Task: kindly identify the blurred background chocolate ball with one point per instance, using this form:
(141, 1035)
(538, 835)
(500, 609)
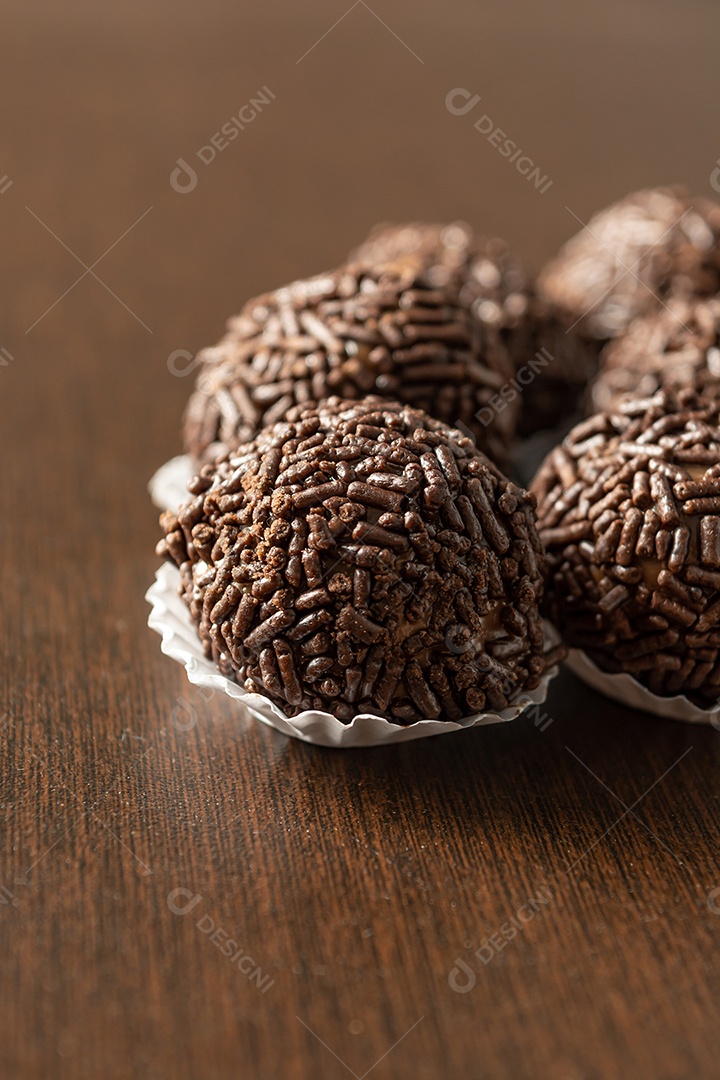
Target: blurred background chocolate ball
(673, 348)
(629, 257)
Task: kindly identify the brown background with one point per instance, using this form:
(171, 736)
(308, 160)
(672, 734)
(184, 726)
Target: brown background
(355, 879)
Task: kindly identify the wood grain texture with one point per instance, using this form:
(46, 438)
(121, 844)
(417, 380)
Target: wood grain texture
(354, 880)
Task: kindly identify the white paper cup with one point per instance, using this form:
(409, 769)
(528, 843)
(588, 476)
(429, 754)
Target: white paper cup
(171, 619)
(628, 691)
(168, 487)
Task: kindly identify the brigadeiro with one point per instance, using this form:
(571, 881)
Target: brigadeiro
(385, 328)
(625, 262)
(673, 348)
(630, 257)
(551, 368)
(492, 280)
(363, 557)
(629, 514)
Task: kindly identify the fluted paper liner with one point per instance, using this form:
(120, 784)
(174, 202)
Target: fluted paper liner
(171, 619)
(168, 487)
(628, 691)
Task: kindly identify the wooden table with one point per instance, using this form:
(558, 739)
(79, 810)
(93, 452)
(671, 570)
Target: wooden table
(146, 830)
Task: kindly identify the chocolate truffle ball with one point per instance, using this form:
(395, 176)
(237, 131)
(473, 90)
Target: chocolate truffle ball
(673, 348)
(630, 257)
(552, 366)
(386, 329)
(363, 557)
(629, 513)
(492, 280)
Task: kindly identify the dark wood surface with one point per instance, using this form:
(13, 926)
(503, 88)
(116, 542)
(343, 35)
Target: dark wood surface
(354, 880)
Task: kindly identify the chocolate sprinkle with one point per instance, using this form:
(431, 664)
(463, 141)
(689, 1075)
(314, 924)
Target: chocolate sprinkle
(491, 279)
(674, 348)
(552, 363)
(339, 574)
(634, 553)
(385, 326)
